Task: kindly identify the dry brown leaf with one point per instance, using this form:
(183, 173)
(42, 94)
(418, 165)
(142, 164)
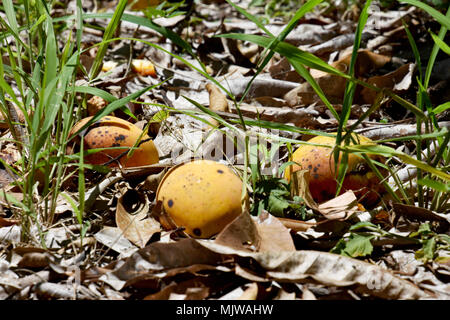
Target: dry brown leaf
(63, 291)
(259, 87)
(6, 222)
(151, 183)
(274, 235)
(10, 234)
(300, 187)
(131, 218)
(337, 43)
(299, 117)
(334, 86)
(217, 101)
(398, 80)
(419, 214)
(34, 260)
(193, 289)
(296, 225)
(142, 171)
(341, 207)
(250, 293)
(329, 269)
(30, 280)
(242, 234)
(158, 260)
(366, 61)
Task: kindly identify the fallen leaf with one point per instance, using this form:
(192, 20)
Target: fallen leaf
(113, 238)
(418, 214)
(300, 187)
(34, 260)
(10, 234)
(159, 260)
(6, 222)
(217, 101)
(341, 207)
(329, 269)
(242, 233)
(274, 235)
(296, 225)
(131, 218)
(398, 80)
(334, 86)
(250, 293)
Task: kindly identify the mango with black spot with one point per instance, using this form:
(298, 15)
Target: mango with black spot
(319, 162)
(113, 132)
(201, 196)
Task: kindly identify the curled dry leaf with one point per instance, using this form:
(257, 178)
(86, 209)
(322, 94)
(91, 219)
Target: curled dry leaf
(300, 187)
(6, 222)
(398, 80)
(131, 218)
(192, 289)
(329, 269)
(152, 181)
(419, 214)
(15, 284)
(95, 104)
(217, 101)
(159, 259)
(251, 293)
(63, 291)
(242, 234)
(34, 260)
(366, 61)
(10, 234)
(341, 207)
(296, 225)
(299, 117)
(334, 86)
(274, 235)
(260, 87)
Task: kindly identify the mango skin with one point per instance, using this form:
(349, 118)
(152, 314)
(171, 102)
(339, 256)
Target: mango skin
(202, 196)
(110, 132)
(319, 161)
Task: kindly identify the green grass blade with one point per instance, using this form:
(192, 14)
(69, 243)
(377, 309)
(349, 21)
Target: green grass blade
(441, 108)
(439, 17)
(289, 51)
(436, 185)
(142, 21)
(441, 44)
(96, 92)
(109, 33)
(250, 17)
(390, 152)
(349, 93)
(51, 55)
(116, 105)
(435, 51)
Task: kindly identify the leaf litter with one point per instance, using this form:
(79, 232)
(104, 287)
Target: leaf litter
(123, 246)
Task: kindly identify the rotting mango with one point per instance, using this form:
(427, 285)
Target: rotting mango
(319, 161)
(201, 196)
(111, 132)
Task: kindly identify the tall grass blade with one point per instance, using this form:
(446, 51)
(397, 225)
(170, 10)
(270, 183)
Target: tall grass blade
(109, 33)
